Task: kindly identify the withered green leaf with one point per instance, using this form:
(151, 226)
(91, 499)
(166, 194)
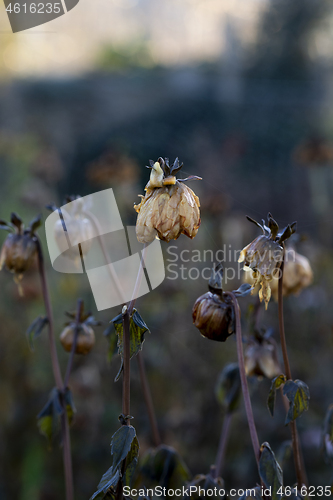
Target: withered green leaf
(299, 395)
(276, 384)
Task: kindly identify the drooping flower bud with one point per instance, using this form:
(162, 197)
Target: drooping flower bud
(75, 223)
(85, 339)
(20, 247)
(213, 312)
(264, 255)
(169, 208)
(82, 330)
(261, 358)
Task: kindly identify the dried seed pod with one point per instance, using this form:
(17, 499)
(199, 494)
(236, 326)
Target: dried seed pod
(213, 312)
(213, 316)
(85, 338)
(169, 207)
(264, 255)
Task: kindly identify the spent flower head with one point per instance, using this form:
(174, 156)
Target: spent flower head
(85, 340)
(20, 247)
(260, 357)
(264, 255)
(297, 275)
(76, 223)
(213, 313)
(169, 207)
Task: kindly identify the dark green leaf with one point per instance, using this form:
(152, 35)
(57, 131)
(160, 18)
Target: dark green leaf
(270, 471)
(35, 223)
(70, 407)
(35, 329)
(138, 328)
(117, 377)
(256, 223)
(205, 483)
(121, 444)
(276, 383)
(243, 290)
(112, 338)
(50, 416)
(109, 481)
(164, 466)
(299, 395)
(328, 434)
(284, 452)
(131, 462)
(228, 387)
(252, 493)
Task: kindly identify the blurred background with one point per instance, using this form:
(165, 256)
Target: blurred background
(241, 92)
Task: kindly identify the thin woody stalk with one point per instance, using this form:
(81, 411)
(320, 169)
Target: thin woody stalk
(220, 457)
(300, 472)
(245, 388)
(57, 375)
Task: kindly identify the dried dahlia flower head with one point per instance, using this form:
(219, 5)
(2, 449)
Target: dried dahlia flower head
(297, 274)
(20, 247)
(264, 255)
(169, 207)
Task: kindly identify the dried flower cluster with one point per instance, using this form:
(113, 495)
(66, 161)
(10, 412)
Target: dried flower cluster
(264, 255)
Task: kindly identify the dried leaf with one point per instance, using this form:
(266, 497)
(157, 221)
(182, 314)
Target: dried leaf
(270, 471)
(299, 395)
(276, 384)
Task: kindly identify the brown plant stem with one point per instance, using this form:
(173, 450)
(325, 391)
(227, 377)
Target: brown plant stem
(300, 472)
(57, 375)
(127, 363)
(220, 457)
(245, 388)
(148, 400)
(73, 349)
(49, 314)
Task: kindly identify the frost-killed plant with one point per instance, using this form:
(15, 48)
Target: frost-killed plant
(266, 255)
(168, 210)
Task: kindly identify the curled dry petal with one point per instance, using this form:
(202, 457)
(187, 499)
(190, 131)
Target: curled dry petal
(263, 256)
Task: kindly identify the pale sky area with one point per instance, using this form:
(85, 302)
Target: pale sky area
(174, 32)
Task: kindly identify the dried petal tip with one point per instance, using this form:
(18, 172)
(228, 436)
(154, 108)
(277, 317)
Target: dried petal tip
(169, 207)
